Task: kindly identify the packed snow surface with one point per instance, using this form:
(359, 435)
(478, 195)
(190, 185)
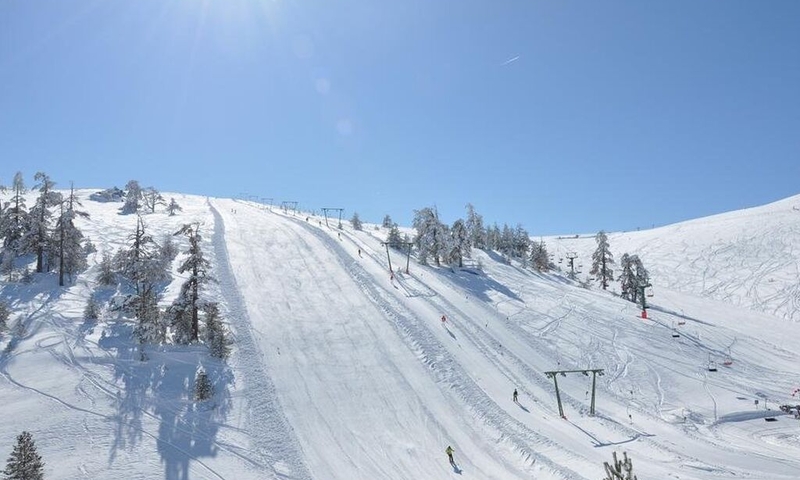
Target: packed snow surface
(343, 370)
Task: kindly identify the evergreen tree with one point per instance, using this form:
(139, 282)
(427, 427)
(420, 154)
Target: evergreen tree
(173, 207)
(627, 278)
(5, 312)
(106, 277)
(169, 250)
(141, 264)
(602, 259)
(620, 469)
(458, 244)
(68, 242)
(152, 198)
(203, 390)
(133, 198)
(92, 310)
(642, 278)
(356, 222)
(475, 230)
(37, 238)
(387, 222)
(12, 225)
(540, 259)
(186, 306)
(521, 244)
(24, 463)
(493, 238)
(216, 335)
(431, 235)
(394, 239)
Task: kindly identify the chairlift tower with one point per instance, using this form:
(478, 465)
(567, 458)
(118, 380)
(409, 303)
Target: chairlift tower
(289, 205)
(267, 201)
(594, 371)
(408, 246)
(571, 256)
(325, 212)
(641, 289)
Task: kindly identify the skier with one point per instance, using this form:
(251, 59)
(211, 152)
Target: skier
(449, 451)
(444, 320)
(359, 252)
(515, 395)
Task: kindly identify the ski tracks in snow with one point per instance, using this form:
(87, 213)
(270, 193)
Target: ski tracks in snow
(275, 445)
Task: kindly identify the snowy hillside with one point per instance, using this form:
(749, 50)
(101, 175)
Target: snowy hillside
(341, 370)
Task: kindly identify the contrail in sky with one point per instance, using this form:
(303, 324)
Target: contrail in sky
(510, 60)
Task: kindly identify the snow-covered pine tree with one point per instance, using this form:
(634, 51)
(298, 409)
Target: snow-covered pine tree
(133, 198)
(430, 239)
(173, 207)
(216, 335)
(602, 259)
(540, 259)
(621, 469)
(203, 389)
(68, 242)
(387, 222)
(106, 276)
(188, 302)
(24, 462)
(642, 278)
(458, 245)
(493, 238)
(12, 225)
(393, 238)
(627, 278)
(141, 264)
(356, 222)
(152, 198)
(475, 230)
(522, 245)
(5, 312)
(92, 309)
(37, 238)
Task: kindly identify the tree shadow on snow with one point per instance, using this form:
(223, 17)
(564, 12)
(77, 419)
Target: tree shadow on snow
(161, 389)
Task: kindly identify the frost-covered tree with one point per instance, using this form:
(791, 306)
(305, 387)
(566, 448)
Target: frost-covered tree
(216, 335)
(430, 239)
(634, 278)
(184, 310)
(92, 309)
(387, 222)
(394, 238)
(602, 259)
(356, 222)
(540, 259)
(24, 463)
(68, 241)
(106, 276)
(619, 469)
(521, 244)
(203, 389)
(142, 266)
(458, 246)
(475, 230)
(133, 198)
(173, 207)
(493, 237)
(152, 198)
(5, 312)
(37, 238)
(12, 224)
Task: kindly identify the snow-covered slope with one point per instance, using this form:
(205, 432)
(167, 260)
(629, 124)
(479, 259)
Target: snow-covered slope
(342, 370)
(748, 258)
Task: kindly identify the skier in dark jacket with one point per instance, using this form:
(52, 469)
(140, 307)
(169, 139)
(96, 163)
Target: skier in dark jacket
(515, 395)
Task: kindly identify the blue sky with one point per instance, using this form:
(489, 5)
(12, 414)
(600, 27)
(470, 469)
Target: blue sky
(565, 116)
